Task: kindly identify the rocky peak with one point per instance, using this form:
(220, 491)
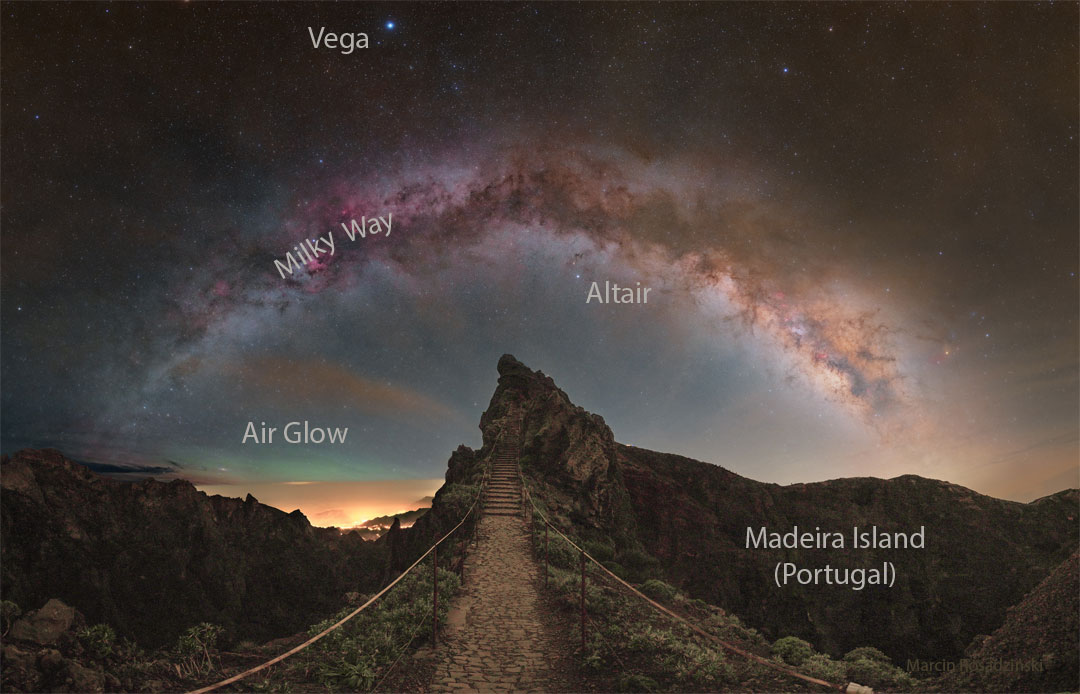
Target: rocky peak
(561, 443)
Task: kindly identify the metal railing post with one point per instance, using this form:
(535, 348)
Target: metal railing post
(583, 602)
(546, 569)
(435, 598)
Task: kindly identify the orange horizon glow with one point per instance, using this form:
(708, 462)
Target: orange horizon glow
(335, 504)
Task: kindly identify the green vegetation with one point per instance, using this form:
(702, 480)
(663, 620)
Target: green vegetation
(792, 650)
(640, 565)
(98, 640)
(866, 665)
(193, 649)
(657, 654)
(269, 686)
(866, 653)
(455, 499)
(879, 675)
(357, 655)
(658, 590)
(616, 568)
(633, 648)
(600, 551)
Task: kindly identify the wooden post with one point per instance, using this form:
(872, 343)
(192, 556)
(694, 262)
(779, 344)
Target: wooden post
(546, 570)
(435, 594)
(583, 602)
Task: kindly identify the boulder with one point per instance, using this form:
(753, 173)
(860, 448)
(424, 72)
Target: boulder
(44, 626)
(82, 679)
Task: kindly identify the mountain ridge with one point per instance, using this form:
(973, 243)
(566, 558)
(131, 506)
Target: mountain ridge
(72, 534)
(690, 518)
(151, 557)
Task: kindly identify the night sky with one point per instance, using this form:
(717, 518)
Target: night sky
(860, 224)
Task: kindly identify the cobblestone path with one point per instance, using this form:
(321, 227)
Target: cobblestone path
(501, 637)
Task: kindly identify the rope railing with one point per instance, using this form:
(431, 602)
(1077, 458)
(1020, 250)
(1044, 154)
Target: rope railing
(433, 549)
(528, 503)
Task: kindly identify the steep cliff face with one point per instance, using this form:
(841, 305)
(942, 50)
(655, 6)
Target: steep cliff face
(981, 556)
(153, 558)
(562, 444)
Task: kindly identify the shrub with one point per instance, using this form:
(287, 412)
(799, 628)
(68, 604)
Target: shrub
(637, 560)
(563, 555)
(707, 667)
(658, 590)
(878, 675)
(356, 655)
(457, 498)
(637, 683)
(600, 551)
(615, 568)
(194, 646)
(98, 640)
(728, 627)
(824, 667)
(866, 653)
(793, 650)
(639, 565)
(354, 676)
(269, 686)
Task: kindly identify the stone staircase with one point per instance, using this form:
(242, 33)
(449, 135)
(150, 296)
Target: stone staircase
(503, 494)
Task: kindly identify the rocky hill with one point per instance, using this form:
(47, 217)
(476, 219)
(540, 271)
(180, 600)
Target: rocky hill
(1036, 649)
(153, 558)
(686, 521)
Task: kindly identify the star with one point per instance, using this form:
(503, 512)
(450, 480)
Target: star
(390, 25)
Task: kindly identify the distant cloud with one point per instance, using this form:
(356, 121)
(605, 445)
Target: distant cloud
(116, 470)
(281, 377)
